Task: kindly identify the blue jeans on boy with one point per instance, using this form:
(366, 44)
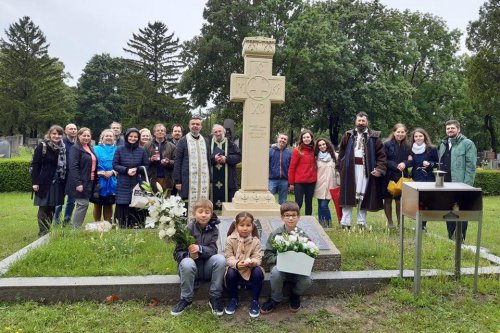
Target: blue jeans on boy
(212, 270)
(302, 282)
(68, 211)
(279, 186)
(324, 215)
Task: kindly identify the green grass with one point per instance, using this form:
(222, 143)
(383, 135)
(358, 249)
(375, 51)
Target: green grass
(443, 306)
(78, 253)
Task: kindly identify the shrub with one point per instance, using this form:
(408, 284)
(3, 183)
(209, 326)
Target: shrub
(14, 175)
(488, 181)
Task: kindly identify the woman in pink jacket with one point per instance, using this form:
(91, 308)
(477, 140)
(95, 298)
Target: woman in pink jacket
(326, 180)
(302, 171)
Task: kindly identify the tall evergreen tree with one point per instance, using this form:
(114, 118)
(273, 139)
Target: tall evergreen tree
(150, 81)
(33, 94)
(156, 55)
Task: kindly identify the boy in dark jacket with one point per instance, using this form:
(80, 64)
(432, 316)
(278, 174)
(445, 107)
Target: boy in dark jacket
(290, 215)
(200, 261)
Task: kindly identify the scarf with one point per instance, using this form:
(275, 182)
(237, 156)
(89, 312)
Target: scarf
(241, 255)
(60, 149)
(418, 149)
(199, 177)
(324, 156)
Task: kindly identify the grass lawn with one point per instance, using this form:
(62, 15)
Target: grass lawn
(77, 253)
(443, 306)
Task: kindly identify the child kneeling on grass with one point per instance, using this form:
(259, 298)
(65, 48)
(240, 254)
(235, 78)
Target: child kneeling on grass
(243, 256)
(201, 261)
(290, 215)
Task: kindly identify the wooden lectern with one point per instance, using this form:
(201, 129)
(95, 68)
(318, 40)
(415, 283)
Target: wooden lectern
(451, 202)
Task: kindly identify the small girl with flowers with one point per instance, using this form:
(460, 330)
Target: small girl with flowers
(243, 257)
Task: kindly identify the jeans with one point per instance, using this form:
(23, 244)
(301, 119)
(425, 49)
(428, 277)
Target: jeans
(68, 211)
(279, 186)
(302, 282)
(233, 277)
(305, 192)
(324, 216)
(451, 226)
(211, 269)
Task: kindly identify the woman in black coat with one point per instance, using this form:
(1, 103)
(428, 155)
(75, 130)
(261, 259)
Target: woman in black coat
(128, 162)
(82, 174)
(48, 176)
(397, 152)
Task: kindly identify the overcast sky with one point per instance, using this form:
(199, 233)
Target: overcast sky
(77, 30)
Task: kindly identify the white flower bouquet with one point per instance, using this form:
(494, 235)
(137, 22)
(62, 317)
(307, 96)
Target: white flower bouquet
(169, 215)
(296, 241)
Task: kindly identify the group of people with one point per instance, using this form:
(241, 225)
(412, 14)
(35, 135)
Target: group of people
(65, 163)
(239, 266)
(364, 166)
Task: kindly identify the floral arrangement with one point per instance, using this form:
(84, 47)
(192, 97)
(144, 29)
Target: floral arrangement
(169, 215)
(295, 241)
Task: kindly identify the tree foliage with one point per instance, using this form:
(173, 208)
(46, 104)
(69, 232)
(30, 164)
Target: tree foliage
(33, 94)
(100, 96)
(483, 68)
(150, 79)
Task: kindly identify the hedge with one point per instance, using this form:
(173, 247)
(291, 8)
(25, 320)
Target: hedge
(14, 177)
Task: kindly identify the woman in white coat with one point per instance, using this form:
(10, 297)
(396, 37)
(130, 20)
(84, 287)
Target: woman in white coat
(326, 180)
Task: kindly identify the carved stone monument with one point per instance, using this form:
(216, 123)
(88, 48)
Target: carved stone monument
(5, 151)
(257, 89)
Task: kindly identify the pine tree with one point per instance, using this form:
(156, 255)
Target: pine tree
(33, 94)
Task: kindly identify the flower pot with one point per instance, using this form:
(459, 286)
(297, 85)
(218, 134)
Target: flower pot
(294, 262)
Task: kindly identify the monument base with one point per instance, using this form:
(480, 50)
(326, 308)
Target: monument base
(255, 202)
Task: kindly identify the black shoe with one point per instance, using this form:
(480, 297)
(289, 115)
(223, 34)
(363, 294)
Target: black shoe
(348, 227)
(294, 303)
(180, 307)
(216, 306)
(269, 306)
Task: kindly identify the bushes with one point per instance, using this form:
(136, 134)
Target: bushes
(14, 175)
(488, 181)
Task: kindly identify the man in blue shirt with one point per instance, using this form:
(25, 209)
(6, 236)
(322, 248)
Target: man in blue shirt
(279, 162)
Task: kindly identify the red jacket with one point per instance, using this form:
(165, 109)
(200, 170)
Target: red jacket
(302, 166)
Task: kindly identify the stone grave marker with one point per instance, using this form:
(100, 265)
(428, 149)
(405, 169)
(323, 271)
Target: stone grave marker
(5, 151)
(257, 88)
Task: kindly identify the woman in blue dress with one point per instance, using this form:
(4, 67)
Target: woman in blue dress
(104, 197)
(425, 157)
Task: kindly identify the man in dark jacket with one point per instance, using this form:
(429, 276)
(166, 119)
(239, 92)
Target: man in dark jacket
(224, 156)
(161, 159)
(279, 162)
(69, 140)
(362, 163)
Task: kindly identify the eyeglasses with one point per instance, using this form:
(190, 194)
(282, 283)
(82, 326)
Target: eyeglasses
(290, 215)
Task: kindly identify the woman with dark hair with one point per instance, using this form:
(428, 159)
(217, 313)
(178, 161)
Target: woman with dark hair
(397, 153)
(48, 176)
(128, 162)
(326, 180)
(82, 174)
(425, 157)
(302, 171)
(104, 197)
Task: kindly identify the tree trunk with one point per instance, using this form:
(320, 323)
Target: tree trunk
(333, 124)
(489, 123)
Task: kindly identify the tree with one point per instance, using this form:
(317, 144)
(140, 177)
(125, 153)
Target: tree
(33, 94)
(150, 80)
(483, 68)
(100, 96)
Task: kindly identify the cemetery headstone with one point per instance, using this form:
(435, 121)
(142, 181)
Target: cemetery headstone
(5, 151)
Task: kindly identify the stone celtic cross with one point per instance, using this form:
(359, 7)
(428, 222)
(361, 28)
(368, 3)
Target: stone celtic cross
(257, 88)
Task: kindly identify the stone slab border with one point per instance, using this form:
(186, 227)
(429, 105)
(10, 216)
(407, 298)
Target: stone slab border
(166, 287)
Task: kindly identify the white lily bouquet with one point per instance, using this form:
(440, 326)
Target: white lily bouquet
(169, 215)
(296, 241)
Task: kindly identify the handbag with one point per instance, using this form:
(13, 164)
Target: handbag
(140, 197)
(395, 188)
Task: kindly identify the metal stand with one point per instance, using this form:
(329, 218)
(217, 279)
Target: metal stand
(424, 202)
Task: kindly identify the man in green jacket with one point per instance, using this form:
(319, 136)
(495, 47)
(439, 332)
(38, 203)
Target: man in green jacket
(458, 157)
